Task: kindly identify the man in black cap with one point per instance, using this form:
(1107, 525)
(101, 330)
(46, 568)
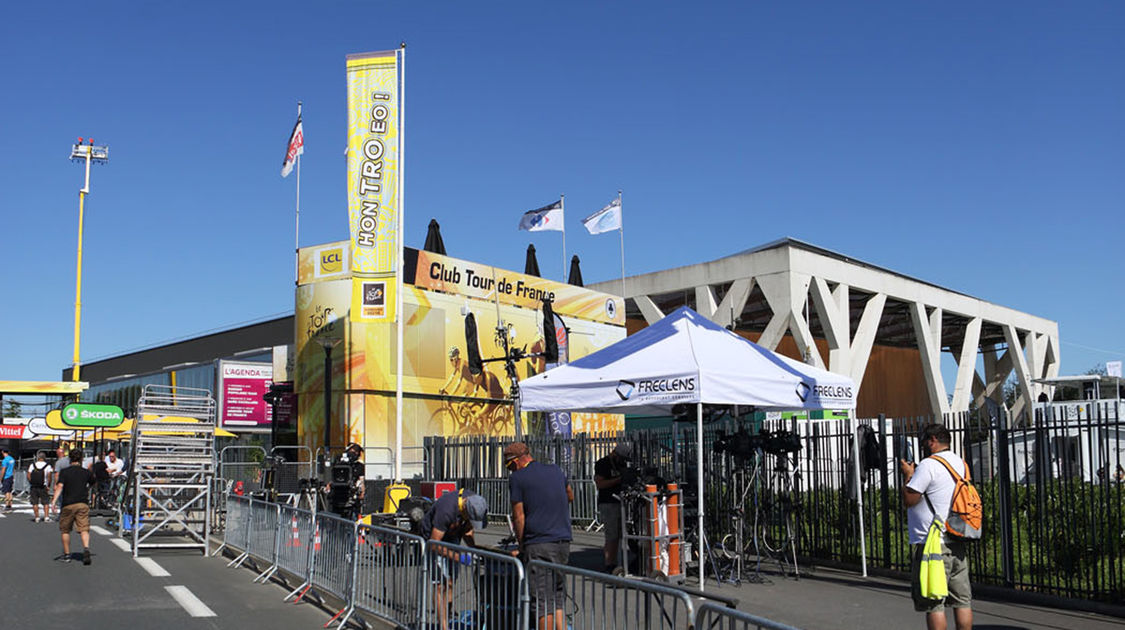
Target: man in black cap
(451, 519)
(610, 474)
(541, 497)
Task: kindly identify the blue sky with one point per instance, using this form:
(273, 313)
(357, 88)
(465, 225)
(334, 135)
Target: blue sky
(978, 146)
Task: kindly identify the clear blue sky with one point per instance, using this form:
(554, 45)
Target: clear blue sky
(979, 146)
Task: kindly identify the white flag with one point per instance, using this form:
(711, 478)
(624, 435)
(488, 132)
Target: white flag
(296, 147)
(605, 220)
(548, 217)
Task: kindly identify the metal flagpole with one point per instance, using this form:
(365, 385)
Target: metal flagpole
(621, 233)
(400, 262)
(297, 230)
(562, 206)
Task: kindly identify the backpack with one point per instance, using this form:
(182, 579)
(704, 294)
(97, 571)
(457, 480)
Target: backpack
(966, 514)
(38, 475)
(870, 449)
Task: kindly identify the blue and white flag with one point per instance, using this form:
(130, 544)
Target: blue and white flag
(605, 220)
(546, 218)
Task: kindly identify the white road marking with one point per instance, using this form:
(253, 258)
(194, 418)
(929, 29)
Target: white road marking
(155, 570)
(189, 601)
(97, 529)
(123, 545)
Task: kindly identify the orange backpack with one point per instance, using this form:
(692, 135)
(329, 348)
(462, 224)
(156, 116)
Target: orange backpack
(966, 514)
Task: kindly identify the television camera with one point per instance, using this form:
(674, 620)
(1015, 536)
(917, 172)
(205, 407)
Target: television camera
(742, 445)
(344, 491)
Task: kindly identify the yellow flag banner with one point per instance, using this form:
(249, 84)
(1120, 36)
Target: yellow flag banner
(373, 161)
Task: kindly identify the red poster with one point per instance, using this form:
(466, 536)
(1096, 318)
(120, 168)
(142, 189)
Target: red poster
(243, 385)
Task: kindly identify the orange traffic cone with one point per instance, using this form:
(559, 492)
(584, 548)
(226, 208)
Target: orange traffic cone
(316, 539)
(296, 534)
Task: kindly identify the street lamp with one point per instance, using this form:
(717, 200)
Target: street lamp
(327, 343)
(88, 153)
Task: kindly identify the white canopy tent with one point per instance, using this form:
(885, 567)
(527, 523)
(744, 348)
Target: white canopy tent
(687, 359)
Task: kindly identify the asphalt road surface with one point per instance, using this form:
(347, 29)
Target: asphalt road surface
(178, 590)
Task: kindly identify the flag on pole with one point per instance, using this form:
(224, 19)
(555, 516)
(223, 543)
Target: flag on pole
(548, 217)
(605, 220)
(296, 147)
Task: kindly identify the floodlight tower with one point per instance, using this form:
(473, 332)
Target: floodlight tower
(90, 154)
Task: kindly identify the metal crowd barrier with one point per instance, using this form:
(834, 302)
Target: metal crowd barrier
(238, 463)
(584, 509)
(262, 534)
(606, 602)
(295, 531)
(474, 588)
(415, 584)
(389, 574)
(237, 531)
(715, 617)
(21, 487)
(297, 465)
(496, 492)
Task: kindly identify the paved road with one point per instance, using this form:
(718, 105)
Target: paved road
(117, 592)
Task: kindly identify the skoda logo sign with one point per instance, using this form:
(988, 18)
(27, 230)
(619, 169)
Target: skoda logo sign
(625, 389)
(71, 413)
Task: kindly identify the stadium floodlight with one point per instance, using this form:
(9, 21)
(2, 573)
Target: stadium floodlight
(89, 153)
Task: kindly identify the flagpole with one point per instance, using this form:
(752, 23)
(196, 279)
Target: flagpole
(297, 230)
(562, 206)
(621, 233)
(400, 261)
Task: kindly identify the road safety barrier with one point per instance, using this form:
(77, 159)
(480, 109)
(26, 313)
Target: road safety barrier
(389, 573)
(589, 599)
(714, 617)
(474, 588)
(413, 583)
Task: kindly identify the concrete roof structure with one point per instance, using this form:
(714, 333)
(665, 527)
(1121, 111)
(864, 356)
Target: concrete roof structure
(808, 292)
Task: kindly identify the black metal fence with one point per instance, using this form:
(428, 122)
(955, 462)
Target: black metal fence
(1053, 488)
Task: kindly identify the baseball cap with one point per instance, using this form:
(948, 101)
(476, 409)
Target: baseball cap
(515, 450)
(476, 508)
(624, 449)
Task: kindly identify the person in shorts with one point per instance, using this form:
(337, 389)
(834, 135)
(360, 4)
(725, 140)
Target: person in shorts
(72, 487)
(453, 518)
(541, 498)
(610, 474)
(7, 476)
(930, 480)
(38, 475)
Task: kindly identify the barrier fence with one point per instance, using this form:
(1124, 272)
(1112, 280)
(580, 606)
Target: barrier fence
(413, 583)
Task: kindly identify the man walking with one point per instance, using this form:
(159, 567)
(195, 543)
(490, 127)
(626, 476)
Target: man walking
(72, 486)
(38, 474)
(8, 468)
(927, 492)
(541, 497)
(610, 474)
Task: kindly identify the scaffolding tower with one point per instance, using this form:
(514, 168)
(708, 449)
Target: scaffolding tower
(171, 468)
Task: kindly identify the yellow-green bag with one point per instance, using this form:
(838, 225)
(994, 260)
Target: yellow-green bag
(934, 584)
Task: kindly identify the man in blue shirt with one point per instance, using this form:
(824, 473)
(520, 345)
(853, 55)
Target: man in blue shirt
(541, 498)
(8, 466)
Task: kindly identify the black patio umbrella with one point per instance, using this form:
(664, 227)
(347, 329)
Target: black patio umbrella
(531, 264)
(433, 239)
(575, 273)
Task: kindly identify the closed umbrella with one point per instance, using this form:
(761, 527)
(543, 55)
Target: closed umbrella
(531, 264)
(433, 239)
(575, 273)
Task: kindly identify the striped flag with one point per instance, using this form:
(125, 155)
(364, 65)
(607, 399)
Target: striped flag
(296, 147)
(548, 217)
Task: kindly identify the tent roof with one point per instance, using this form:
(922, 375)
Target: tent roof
(683, 359)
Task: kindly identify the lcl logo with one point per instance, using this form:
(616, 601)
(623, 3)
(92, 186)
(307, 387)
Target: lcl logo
(332, 261)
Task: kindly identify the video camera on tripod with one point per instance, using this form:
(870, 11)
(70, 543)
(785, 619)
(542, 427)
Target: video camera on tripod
(345, 481)
(742, 445)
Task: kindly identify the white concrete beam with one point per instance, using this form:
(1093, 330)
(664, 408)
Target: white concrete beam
(648, 308)
(734, 301)
(834, 322)
(865, 336)
(966, 367)
(1019, 363)
(931, 359)
(705, 301)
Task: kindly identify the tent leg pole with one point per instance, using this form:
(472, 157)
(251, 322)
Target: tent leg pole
(699, 485)
(854, 423)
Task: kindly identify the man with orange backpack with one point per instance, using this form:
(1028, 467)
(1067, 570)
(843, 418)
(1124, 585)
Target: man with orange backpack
(938, 487)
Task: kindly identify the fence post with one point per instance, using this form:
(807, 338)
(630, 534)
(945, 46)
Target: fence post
(884, 480)
(1004, 500)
